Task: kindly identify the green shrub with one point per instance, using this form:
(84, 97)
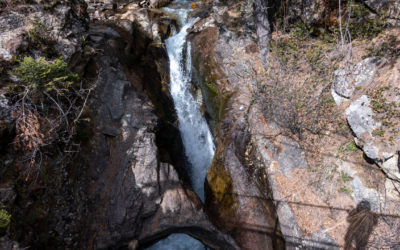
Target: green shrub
(5, 218)
(300, 30)
(345, 177)
(378, 132)
(347, 148)
(48, 104)
(345, 190)
(351, 147)
(45, 76)
(39, 32)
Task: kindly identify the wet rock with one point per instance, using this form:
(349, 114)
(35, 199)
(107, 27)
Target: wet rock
(125, 187)
(178, 200)
(153, 22)
(202, 24)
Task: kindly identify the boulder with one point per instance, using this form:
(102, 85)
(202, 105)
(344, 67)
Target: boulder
(346, 79)
(392, 168)
(360, 118)
(359, 115)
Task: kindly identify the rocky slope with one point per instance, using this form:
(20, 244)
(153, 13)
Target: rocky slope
(267, 186)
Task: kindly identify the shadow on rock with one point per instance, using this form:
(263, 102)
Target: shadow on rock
(362, 222)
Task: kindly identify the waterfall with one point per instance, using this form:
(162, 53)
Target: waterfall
(196, 135)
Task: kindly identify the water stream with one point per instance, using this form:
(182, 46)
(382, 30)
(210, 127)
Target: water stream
(196, 135)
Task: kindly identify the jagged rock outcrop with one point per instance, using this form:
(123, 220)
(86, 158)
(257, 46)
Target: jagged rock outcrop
(359, 116)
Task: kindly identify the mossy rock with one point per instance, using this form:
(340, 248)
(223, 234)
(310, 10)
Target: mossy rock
(222, 202)
(220, 183)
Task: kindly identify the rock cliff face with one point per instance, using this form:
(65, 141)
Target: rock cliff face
(129, 182)
(263, 185)
(226, 56)
(268, 187)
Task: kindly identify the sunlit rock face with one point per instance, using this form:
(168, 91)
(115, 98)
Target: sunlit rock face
(259, 175)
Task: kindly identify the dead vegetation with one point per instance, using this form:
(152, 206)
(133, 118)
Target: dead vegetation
(295, 93)
(48, 103)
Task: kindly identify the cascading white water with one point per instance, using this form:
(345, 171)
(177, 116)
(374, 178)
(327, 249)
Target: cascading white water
(196, 135)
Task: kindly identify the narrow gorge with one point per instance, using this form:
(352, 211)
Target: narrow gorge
(211, 124)
(196, 135)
